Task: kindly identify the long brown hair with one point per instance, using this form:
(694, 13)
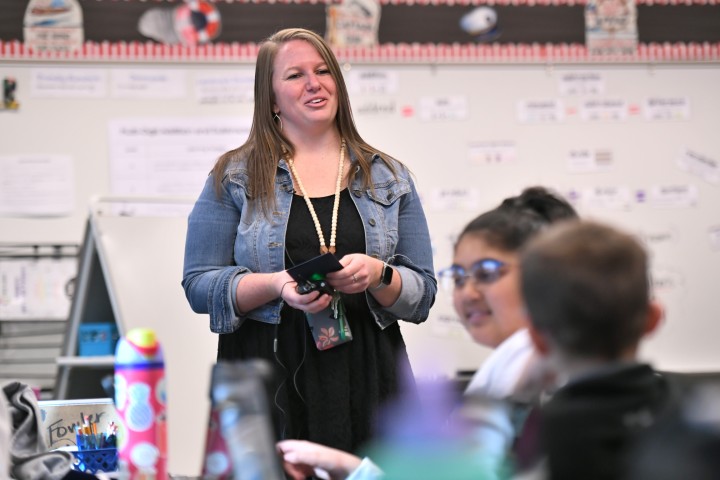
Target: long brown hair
(266, 142)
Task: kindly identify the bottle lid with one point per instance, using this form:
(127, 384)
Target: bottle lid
(144, 340)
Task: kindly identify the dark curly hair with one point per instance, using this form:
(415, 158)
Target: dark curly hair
(518, 219)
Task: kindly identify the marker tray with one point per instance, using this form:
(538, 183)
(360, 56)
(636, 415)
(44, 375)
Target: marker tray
(98, 460)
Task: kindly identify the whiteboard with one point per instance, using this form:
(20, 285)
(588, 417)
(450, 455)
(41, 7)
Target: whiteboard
(140, 258)
(440, 120)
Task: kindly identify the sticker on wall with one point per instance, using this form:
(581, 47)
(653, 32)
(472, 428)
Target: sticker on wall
(353, 23)
(68, 83)
(455, 198)
(372, 82)
(540, 111)
(659, 238)
(673, 196)
(611, 27)
(634, 109)
(669, 287)
(667, 108)
(610, 198)
(666, 280)
(407, 111)
(452, 107)
(573, 196)
(641, 195)
(701, 165)
(375, 108)
(585, 160)
(9, 102)
(481, 23)
(224, 87)
(581, 83)
(53, 26)
(193, 22)
(492, 152)
(603, 110)
(148, 83)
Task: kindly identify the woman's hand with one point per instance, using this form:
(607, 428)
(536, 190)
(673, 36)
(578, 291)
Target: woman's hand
(312, 302)
(302, 459)
(359, 273)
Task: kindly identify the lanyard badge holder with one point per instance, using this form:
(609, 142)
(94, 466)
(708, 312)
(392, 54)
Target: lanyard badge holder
(329, 327)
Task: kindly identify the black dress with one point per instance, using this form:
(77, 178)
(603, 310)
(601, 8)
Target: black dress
(332, 396)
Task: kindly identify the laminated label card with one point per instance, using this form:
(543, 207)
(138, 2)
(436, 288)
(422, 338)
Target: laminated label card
(58, 418)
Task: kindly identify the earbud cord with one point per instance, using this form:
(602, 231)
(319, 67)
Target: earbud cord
(280, 386)
(297, 370)
(287, 254)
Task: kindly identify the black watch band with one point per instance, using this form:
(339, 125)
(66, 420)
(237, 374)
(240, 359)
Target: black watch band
(386, 277)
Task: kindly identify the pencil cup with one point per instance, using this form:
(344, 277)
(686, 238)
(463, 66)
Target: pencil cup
(94, 461)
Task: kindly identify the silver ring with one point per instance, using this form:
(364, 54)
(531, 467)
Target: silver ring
(354, 278)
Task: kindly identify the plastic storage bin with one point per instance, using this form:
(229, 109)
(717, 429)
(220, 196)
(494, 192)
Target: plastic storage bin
(97, 339)
(93, 461)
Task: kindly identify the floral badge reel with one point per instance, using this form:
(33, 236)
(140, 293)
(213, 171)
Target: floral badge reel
(329, 327)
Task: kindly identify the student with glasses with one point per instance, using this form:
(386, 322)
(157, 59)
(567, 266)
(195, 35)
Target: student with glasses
(485, 281)
(485, 277)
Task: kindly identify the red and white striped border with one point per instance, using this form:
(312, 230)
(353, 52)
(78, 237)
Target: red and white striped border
(446, 2)
(390, 53)
(135, 51)
(524, 53)
(538, 2)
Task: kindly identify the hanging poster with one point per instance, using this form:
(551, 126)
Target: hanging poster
(611, 27)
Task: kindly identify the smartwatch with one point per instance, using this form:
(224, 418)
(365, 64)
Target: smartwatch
(386, 277)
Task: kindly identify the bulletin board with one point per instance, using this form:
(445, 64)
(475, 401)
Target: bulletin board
(635, 145)
(464, 31)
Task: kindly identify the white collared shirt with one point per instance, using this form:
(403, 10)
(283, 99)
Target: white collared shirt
(508, 370)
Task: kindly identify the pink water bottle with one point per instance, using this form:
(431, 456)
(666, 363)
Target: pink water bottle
(140, 400)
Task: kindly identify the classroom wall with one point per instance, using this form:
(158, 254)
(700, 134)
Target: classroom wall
(635, 145)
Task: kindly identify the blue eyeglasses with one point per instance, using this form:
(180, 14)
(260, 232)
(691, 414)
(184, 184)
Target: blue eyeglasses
(484, 271)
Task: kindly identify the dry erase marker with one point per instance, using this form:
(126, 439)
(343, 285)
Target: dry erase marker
(79, 438)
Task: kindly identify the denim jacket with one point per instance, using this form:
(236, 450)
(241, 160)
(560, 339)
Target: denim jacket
(227, 240)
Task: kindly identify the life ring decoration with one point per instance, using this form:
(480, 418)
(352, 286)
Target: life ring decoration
(197, 22)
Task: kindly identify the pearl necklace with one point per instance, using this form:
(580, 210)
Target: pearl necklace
(336, 204)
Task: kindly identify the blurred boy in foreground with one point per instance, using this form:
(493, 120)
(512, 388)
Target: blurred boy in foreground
(587, 293)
